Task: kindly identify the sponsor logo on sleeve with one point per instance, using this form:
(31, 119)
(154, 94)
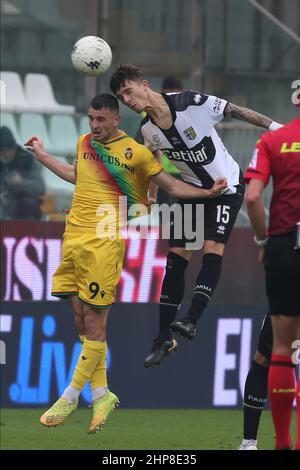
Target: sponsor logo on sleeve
(217, 106)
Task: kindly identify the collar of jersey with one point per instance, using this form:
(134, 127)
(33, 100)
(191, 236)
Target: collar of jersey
(170, 103)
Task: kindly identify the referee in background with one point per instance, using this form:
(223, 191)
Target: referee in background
(277, 155)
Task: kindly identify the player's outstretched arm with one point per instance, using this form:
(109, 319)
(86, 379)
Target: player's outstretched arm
(63, 170)
(182, 190)
(248, 115)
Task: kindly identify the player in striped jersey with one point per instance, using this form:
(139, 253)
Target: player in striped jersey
(182, 126)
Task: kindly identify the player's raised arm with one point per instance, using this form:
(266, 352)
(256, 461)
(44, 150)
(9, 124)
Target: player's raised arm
(183, 190)
(63, 170)
(248, 115)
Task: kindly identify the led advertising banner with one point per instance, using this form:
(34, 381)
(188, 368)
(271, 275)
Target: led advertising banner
(39, 350)
(30, 254)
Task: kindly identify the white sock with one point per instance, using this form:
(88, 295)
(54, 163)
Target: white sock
(247, 441)
(71, 393)
(99, 392)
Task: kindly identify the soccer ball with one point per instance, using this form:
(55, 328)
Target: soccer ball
(91, 55)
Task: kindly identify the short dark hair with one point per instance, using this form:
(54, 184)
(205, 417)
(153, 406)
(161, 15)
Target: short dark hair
(123, 73)
(105, 100)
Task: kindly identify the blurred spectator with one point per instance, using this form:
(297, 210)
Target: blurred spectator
(171, 85)
(21, 180)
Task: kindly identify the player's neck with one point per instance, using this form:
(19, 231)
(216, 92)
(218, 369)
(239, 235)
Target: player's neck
(116, 135)
(159, 110)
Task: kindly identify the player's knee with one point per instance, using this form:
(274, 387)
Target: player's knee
(283, 350)
(79, 321)
(182, 252)
(212, 247)
(95, 323)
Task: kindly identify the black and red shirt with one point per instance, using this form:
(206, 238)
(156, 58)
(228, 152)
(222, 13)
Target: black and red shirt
(277, 154)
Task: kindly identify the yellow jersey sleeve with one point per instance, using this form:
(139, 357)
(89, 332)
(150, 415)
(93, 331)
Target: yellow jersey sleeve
(148, 163)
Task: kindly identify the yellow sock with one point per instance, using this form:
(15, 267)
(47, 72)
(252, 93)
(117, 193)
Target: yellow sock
(91, 353)
(99, 378)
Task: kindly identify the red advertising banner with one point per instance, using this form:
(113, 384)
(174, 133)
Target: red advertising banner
(30, 254)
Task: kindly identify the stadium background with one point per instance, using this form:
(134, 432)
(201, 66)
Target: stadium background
(223, 47)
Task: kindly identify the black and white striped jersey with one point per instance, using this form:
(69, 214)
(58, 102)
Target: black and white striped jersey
(192, 143)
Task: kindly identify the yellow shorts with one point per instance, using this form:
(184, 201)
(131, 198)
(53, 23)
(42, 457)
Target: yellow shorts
(90, 267)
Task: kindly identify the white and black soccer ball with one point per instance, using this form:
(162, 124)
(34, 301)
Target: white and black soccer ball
(91, 55)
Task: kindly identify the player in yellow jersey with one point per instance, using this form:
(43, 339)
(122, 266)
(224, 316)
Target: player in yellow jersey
(110, 167)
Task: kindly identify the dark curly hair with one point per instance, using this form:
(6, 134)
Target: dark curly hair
(123, 73)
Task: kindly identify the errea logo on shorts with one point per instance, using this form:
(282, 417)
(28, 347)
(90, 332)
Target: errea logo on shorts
(221, 229)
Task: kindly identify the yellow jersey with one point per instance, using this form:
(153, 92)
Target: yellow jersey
(109, 176)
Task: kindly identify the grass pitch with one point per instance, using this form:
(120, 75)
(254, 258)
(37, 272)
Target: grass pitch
(133, 430)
